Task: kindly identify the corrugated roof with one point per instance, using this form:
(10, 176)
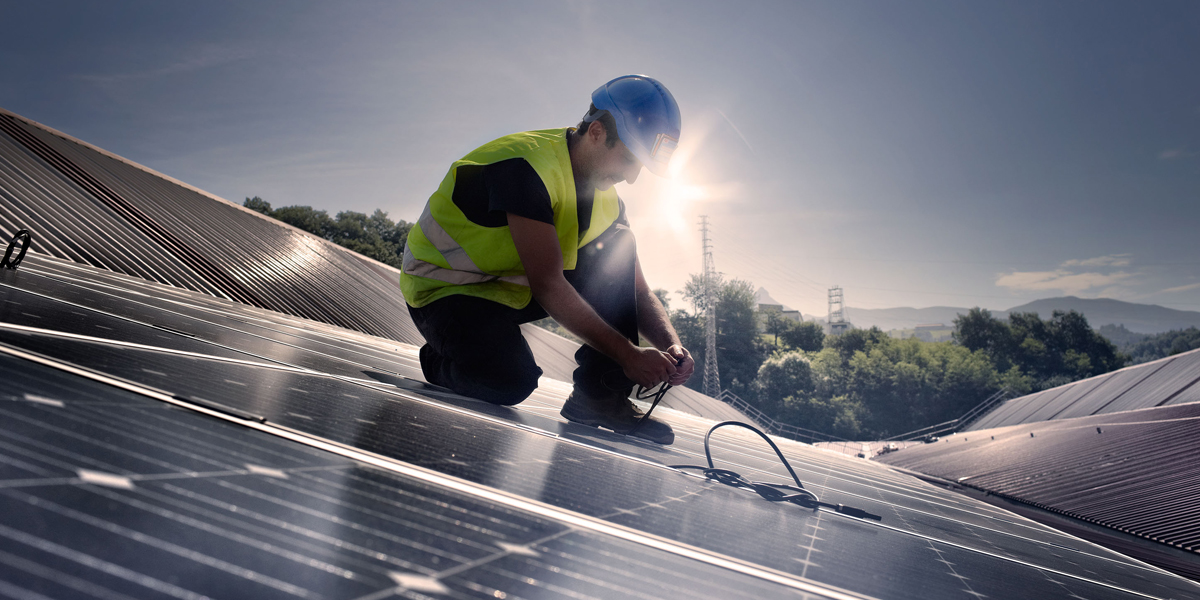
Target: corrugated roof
(1133, 471)
(1171, 380)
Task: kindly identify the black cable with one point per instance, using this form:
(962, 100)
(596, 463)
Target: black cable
(656, 394)
(772, 492)
(25, 238)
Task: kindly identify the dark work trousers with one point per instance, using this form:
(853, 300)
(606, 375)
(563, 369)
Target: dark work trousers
(475, 346)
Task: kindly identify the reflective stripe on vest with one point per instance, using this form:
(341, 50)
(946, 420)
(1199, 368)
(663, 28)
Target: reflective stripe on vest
(448, 254)
(463, 270)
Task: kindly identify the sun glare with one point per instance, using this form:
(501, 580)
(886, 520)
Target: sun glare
(675, 200)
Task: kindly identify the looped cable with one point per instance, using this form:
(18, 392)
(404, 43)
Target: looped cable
(645, 394)
(772, 492)
(8, 262)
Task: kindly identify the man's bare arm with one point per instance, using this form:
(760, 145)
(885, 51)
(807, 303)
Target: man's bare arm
(655, 325)
(537, 245)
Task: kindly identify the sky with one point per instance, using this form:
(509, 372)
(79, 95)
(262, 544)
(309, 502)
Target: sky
(915, 153)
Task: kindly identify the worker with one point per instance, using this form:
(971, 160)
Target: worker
(528, 225)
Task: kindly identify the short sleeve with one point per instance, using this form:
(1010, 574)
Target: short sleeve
(514, 187)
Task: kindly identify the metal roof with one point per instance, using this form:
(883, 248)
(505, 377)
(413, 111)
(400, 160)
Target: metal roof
(1167, 381)
(1134, 472)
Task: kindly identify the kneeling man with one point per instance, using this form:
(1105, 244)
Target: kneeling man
(529, 225)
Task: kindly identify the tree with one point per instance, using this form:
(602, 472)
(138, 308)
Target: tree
(1051, 353)
(740, 350)
(808, 336)
(777, 323)
(783, 374)
(258, 204)
(665, 298)
(316, 222)
(1154, 347)
(693, 291)
(856, 340)
(375, 236)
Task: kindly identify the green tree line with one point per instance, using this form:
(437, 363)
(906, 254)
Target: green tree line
(375, 236)
(1141, 347)
(865, 384)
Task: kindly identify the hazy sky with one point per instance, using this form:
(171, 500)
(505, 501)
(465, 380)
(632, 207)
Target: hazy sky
(916, 153)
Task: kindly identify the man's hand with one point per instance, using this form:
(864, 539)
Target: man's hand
(649, 367)
(685, 366)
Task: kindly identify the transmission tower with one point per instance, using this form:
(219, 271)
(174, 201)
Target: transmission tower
(712, 380)
(837, 311)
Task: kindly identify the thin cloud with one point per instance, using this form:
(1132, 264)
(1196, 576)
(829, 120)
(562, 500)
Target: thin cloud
(1112, 260)
(1174, 153)
(1182, 288)
(204, 57)
(1061, 279)
(1076, 276)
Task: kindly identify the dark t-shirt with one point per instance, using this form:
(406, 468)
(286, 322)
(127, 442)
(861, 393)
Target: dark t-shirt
(487, 193)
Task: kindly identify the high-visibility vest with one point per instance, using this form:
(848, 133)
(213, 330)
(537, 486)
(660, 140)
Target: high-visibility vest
(449, 254)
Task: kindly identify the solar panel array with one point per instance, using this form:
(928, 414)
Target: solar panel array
(160, 442)
(1168, 381)
(160, 439)
(88, 206)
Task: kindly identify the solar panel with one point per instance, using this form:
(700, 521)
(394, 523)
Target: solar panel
(109, 494)
(931, 543)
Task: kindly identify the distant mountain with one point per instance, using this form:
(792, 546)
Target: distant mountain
(1140, 318)
(907, 318)
(762, 296)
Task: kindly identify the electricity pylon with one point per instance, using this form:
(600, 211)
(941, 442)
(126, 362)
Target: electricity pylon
(712, 379)
(837, 311)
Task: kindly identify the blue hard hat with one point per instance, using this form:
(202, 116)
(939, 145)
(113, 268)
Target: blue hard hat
(647, 118)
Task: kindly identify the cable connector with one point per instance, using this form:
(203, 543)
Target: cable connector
(850, 511)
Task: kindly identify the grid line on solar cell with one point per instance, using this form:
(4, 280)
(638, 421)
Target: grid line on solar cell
(215, 529)
(61, 578)
(158, 543)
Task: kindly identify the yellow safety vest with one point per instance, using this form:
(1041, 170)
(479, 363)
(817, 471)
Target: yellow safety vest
(449, 254)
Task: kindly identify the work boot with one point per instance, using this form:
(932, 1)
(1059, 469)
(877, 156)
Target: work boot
(616, 412)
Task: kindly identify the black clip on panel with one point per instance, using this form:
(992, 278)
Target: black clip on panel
(24, 238)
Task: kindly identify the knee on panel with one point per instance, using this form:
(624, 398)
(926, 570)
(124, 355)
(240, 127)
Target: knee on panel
(515, 386)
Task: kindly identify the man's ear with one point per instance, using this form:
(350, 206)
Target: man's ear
(597, 132)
